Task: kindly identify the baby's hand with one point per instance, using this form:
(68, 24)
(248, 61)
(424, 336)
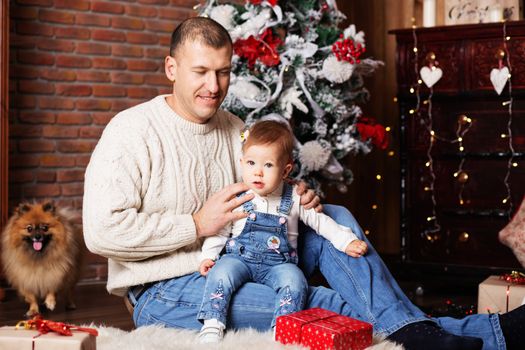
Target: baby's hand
(206, 266)
(356, 248)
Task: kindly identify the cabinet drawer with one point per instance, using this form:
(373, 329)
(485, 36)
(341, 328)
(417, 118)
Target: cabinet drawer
(482, 59)
(462, 240)
(482, 192)
(489, 122)
(449, 59)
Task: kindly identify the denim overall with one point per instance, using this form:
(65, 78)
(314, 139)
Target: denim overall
(262, 254)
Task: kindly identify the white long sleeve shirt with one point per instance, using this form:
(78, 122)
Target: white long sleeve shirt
(340, 236)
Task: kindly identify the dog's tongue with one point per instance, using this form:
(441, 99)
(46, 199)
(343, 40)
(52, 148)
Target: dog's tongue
(37, 245)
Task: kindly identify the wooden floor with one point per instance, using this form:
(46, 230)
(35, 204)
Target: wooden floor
(95, 305)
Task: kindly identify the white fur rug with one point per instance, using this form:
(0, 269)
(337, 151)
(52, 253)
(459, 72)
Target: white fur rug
(155, 337)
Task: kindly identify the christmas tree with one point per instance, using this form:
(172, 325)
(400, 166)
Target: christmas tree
(293, 63)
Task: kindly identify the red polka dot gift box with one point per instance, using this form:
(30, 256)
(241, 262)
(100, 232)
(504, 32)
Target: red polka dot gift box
(320, 329)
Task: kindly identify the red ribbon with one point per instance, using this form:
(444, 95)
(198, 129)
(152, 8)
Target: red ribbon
(514, 277)
(47, 326)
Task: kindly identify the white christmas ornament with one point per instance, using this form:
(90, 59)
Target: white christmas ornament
(224, 15)
(499, 78)
(430, 76)
(247, 92)
(358, 37)
(336, 71)
(313, 155)
(289, 99)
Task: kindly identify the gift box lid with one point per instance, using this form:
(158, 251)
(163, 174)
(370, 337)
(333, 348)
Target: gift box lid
(12, 338)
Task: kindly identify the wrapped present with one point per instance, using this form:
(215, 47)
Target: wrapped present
(322, 329)
(500, 294)
(40, 334)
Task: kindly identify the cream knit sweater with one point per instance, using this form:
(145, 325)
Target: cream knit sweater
(149, 172)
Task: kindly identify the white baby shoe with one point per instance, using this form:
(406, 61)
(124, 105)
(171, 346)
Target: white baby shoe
(211, 332)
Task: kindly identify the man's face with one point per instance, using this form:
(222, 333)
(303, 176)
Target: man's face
(263, 168)
(201, 76)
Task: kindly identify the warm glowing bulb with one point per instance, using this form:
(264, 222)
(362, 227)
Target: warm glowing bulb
(460, 139)
(427, 164)
(395, 99)
(391, 153)
(430, 218)
(411, 111)
(509, 76)
(412, 90)
(514, 164)
(378, 177)
(367, 232)
(505, 103)
(504, 201)
(419, 81)
(374, 206)
(456, 174)
(461, 202)
(503, 136)
(507, 38)
(415, 49)
(432, 132)
(469, 120)
(427, 188)
(461, 148)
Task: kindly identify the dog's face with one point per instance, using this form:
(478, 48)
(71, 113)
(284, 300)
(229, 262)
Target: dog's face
(35, 228)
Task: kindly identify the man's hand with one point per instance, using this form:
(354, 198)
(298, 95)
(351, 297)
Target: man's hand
(309, 199)
(216, 212)
(356, 248)
(206, 266)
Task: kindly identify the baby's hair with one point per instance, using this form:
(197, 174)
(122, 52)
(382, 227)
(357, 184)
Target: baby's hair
(269, 132)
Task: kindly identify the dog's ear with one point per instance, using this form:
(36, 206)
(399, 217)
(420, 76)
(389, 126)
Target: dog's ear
(22, 208)
(49, 206)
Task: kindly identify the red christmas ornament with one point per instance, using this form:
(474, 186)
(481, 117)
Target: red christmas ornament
(347, 50)
(370, 130)
(263, 49)
(258, 2)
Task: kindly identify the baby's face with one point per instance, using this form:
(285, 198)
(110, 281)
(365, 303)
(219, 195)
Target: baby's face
(264, 168)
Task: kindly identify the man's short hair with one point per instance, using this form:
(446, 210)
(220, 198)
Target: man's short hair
(204, 29)
(271, 132)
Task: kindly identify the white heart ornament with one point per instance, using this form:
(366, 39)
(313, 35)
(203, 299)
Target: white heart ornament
(430, 76)
(499, 78)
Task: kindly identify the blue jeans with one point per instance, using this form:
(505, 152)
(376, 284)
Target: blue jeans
(365, 290)
(230, 272)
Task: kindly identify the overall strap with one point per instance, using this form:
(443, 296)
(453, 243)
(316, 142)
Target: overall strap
(247, 206)
(286, 200)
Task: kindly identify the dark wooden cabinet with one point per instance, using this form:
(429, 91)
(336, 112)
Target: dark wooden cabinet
(468, 234)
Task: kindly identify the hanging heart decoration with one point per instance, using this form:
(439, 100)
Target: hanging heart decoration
(430, 75)
(499, 78)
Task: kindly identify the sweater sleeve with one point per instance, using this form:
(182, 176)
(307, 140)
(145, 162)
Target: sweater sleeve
(116, 180)
(213, 245)
(340, 236)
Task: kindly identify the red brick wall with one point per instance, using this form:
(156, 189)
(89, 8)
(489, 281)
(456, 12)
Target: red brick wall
(74, 64)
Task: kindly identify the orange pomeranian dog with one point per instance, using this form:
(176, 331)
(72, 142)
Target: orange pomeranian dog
(41, 254)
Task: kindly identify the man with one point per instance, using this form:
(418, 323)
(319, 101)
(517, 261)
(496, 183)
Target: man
(160, 179)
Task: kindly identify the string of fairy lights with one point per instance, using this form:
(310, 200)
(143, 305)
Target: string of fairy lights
(510, 163)
(464, 124)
